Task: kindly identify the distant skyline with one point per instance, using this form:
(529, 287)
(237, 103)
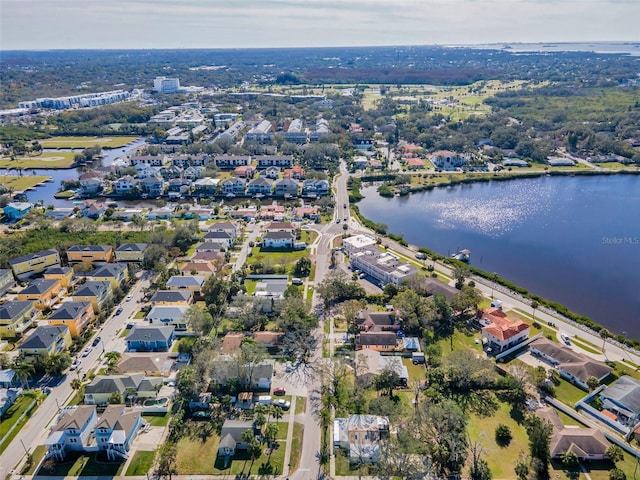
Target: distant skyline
(129, 24)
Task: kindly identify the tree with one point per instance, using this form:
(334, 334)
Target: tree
(271, 433)
(199, 319)
(617, 474)
(522, 468)
(467, 298)
(387, 380)
(570, 460)
(592, 382)
(615, 453)
(503, 434)
(76, 384)
(56, 363)
(24, 370)
(188, 383)
(115, 398)
(335, 288)
(534, 306)
(302, 267)
(539, 432)
(604, 333)
(166, 460)
(416, 312)
(113, 358)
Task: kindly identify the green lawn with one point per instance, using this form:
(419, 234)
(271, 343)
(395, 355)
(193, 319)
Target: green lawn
(84, 142)
(196, 456)
(283, 429)
(242, 464)
(11, 416)
(157, 420)
(276, 258)
(37, 455)
(18, 184)
(139, 315)
(501, 459)
(81, 466)
(296, 446)
(46, 160)
(301, 405)
(416, 372)
(568, 393)
(141, 463)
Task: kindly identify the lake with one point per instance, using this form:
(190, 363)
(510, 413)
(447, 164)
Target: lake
(573, 240)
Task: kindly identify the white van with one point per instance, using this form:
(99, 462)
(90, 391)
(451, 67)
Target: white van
(264, 399)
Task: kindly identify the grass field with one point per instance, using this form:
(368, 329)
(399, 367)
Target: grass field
(157, 420)
(80, 466)
(296, 446)
(141, 463)
(10, 418)
(196, 456)
(17, 183)
(301, 404)
(46, 160)
(84, 142)
(38, 455)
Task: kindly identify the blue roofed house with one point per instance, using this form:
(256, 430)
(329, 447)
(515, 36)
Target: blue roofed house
(150, 339)
(17, 210)
(115, 431)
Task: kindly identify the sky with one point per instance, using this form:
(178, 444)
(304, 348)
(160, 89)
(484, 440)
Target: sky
(121, 24)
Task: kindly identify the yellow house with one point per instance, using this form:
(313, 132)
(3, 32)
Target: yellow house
(64, 274)
(27, 266)
(45, 293)
(96, 293)
(76, 316)
(6, 280)
(46, 340)
(114, 273)
(131, 252)
(90, 253)
(15, 318)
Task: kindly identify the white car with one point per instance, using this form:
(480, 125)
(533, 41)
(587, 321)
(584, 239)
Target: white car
(129, 297)
(282, 403)
(87, 351)
(74, 365)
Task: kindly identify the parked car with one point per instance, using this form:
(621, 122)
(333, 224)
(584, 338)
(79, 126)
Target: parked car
(87, 351)
(296, 281)
(74, 365)
(119, 311)
(279, 391)
(282, 403)
(129, 297)
(201, 414)
(96, 341)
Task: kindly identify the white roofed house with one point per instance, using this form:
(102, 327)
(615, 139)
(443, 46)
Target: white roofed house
(124, 185)
(278, 240)
(168, 315)
(261, 133)
(447, 160)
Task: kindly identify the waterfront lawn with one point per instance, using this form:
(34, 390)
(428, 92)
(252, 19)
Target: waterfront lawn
(85, 142)
(12, 417)
(18, 184)
(45, 160)
(141, 463)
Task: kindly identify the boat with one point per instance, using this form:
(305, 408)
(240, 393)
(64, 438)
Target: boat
(462, 255)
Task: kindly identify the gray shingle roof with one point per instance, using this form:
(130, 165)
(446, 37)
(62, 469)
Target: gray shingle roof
(13, 308)
(149, 334)
(626, 391)
(171, 296)
(44, 336)
(132, 247)
(92, 289)
(39, 286)
(32, 256)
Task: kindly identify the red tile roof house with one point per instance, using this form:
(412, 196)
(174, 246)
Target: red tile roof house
(245, 171)
(414, 163)
(500, 332)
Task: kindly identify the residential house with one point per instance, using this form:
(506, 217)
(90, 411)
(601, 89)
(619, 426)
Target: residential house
(17, 210)
(144, 172)
(386, 341)
(73, 431)
(270, 340)
(151, 364)
(44, 293)
(278, 240)
(260, 186)
(124, 185)
(8, 397)
(130, 252)
(168, 315)
(311, 213)
(93, 210)
(59, 213)
(186, 161)
(28, 265)
(172, 297)
(90, 183)
(375, 164)
(115, 273)
(360, 162)
(262, 133)
(286, 187)
(46, 340)
(15, 318)
(385, 267)
(210, 247)
(6, 280)
(282, 227)
(244, 171)
(212, 257)
(150, 339)
(233, 186)
(447, 160)
(369, 321)
(221, 237)
(98, 293)
(272, 212)
(296, 132)
(127, 214)
(361, 436)
(192, 283)
(149, 160)
(271, 287)
(76, 316)
(573, 366)
(232, 161)
(322, 125)
(139, 385)
(64, 274)
(587, 443)
(560, 162)
(190, 174)
(434, 286)
(414, 163)
(315, 188)
(363, 144)
(8, 378)
(206, 186)
(231, 437)
(227, 227)
(271, 172)
(255, 377)
(90, 254)
(500, 332)
(116, 430)
(622, 398)
(152, 186)
(296, 172)
(281, 161)
(197, 268)
(370, 363)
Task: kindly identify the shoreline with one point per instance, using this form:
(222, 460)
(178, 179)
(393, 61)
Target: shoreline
(553, 307)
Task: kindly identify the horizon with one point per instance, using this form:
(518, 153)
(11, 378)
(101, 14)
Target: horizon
(31, 25)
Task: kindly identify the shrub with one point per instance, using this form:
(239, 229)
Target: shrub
(503, 435)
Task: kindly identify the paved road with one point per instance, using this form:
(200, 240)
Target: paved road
(35, 431)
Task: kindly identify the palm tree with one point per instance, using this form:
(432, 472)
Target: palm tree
(76, 384)
(23, 370)
(112, 359)
(604, 333)
(494, 280)
(276, 412)
(534, 307)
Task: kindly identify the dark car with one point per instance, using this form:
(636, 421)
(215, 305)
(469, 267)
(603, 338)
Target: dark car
(279, 391)
(96, 341)
(119, 311)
